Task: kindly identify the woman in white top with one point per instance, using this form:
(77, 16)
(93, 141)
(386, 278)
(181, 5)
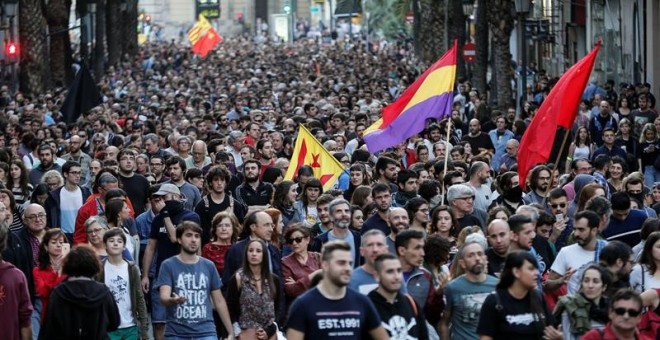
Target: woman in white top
(646, 274)
(581, 147)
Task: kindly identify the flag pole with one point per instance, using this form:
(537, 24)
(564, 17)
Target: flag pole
(554, 168)
(442, 202)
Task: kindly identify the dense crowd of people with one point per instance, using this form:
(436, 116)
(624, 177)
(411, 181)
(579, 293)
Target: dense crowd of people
(164, 212)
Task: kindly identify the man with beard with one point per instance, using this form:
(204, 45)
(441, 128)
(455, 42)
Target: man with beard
(539, 180)
(386, 172)
(217, 200)
(617, 258)
(325, 223)
(253, 193)
(407, 181)
(465, 294)
(510, 192)
(479, 141)
(157, 165)
(330, 308)
(372, 245)
(398, 221)
(382, 196)
(46, 164)
(480, 181)
(340, 215)
(586, 249)
(400, 315)
(163, 244)
(75, 154)
(266, 154)
(176, 167)
(135, 185)
(563, 226)
(183, 280)
(499, 239)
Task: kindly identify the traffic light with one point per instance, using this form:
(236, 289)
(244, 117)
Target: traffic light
(287, 7)
(11, 51)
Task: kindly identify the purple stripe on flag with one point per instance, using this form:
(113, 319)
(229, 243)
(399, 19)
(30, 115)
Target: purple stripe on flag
(410, 122)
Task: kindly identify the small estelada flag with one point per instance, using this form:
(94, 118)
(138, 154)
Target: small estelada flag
(309, 151)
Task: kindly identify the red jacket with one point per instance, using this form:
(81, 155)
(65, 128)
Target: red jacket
(44, 282)
(88, 210)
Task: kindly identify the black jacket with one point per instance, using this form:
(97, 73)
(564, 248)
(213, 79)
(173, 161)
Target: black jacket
(80, 309)
(19, 253)
(53, 205)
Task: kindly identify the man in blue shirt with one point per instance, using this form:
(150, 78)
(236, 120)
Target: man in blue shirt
(626, 223)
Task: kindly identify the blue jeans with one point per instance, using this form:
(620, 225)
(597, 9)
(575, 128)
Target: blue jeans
(36, 318)
(651, 175)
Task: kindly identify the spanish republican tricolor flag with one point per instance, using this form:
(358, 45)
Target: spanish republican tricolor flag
(309, 151)
(430, 96)
(203, 37)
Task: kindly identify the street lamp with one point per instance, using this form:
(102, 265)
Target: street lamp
(468, 7)
(522, 8)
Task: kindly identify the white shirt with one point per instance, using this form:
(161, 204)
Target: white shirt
(117, 280)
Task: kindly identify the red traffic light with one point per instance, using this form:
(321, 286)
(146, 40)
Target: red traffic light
(11, 49)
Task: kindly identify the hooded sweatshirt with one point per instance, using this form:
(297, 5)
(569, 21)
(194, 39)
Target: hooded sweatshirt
(80, 309)
(15, 305)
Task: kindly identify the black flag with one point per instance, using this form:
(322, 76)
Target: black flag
(83, 95)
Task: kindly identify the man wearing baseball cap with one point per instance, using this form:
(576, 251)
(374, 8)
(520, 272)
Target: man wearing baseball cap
(162, 240)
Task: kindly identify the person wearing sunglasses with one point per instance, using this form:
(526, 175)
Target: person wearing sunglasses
(301, 266)
(625, 314)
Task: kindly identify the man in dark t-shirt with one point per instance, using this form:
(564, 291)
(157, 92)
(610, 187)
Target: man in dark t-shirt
(331, 310)
(499, 239)
(135, 185)
(480, 142)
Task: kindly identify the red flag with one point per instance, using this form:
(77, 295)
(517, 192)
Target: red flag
(558, 109)
(206, 43)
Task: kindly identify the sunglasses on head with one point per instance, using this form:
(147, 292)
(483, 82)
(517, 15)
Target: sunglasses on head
(632, 312)
(296, 240)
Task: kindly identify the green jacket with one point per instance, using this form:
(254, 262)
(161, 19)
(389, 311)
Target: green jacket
(577, 308)
(137, 297)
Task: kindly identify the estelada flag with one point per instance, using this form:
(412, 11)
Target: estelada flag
(203, 37)
(309, 151)
(559, 109)
(430, 96)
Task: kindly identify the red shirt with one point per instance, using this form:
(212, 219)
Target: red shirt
(44, 283)
(608, 334)
(216, 253)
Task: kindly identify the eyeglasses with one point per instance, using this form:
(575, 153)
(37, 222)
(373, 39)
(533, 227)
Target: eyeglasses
(560, 205)
(94, 231)
(296, 240)
(36, 217)
(631, 312)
